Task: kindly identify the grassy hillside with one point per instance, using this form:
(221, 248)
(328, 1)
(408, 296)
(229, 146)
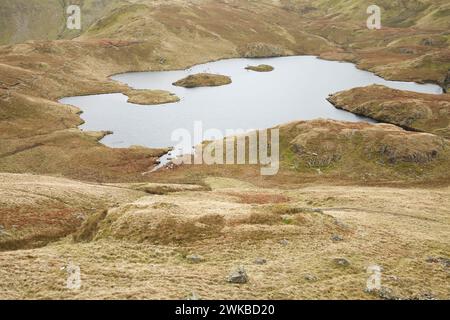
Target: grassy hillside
(22, 20)
(291, 242)
(395, 13)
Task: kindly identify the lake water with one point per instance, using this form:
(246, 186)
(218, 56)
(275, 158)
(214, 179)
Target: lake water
(296, 90)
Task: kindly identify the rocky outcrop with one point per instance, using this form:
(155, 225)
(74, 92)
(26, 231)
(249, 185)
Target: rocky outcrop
(364, 151)
(262, 50)
(410, 110)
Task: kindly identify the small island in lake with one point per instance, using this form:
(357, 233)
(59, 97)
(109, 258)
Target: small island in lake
(203, 80)
(151, 97)
(261, 68)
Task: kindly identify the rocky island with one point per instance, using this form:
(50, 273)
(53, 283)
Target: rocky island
(260, 68)
(151, 97)
(203, 80)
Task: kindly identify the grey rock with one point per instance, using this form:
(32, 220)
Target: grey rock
(260, 261)
(310, 277)
(341, 224)
(427, 42)
(383, 293)
(442, 260)
(342, 262)
(425, 296)
(284, 242)
(238, 276)
(407, 51)
(194, 258)
(337, 238)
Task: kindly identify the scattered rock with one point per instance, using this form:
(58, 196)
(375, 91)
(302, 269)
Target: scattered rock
(310, 277)
(342, 262)
(80, 216)
(424, 296)
(407, 51)
(203, 80)
(427, 42)
(238, 276)
(260, 68)
(193, 258)
(386, 293)
(260, 261)
(383, 293)
(341, 224)
(162, 60)
(284, 242)
(261, 50)
(337, 238)
(444, 261)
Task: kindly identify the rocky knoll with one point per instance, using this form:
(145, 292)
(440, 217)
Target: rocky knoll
(203, 80)
(381, 151)
(410, 110)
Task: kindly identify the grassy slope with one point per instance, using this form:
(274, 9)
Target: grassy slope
(141, 253)
(36, 210)
(395, 13)
(22, 20)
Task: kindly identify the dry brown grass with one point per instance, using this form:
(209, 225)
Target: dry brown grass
(398, 229)
(258, 198)
(36, 210)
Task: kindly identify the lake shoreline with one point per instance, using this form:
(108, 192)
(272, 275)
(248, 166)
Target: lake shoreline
(235, 65)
